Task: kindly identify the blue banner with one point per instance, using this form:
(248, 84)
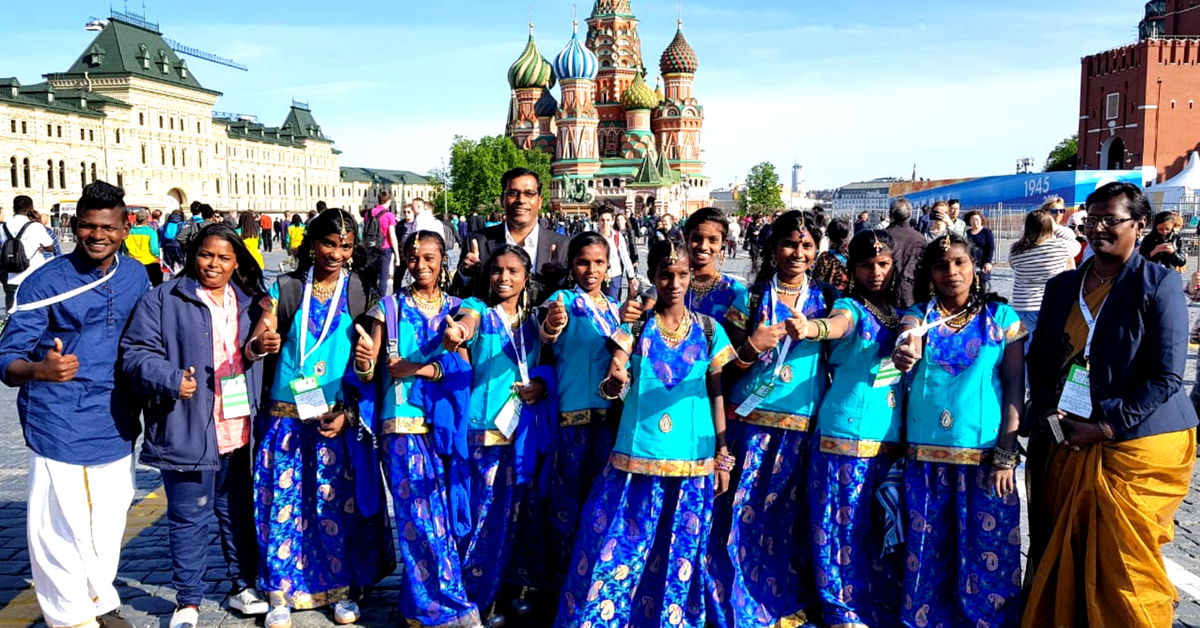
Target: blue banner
(1026, 189)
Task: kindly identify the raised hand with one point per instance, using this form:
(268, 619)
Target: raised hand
(767, 337)
(796, 326)
(556, 316)
(187, 384)
(471, 261)
(364, 349)
(455, 335)
(270, 341)
(632, 309)
(56, 367)
(906, 354)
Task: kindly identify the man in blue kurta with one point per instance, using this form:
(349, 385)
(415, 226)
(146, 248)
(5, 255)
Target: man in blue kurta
(60, 347)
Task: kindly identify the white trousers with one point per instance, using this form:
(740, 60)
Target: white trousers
(75, 521)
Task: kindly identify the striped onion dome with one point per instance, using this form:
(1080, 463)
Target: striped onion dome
(576, 61)
(546, 106)
(638, 95)
(679, 58)
(530, 69)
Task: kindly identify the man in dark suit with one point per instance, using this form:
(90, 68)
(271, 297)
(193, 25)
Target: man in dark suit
(475, 222)
(522, 200)
(910, 245)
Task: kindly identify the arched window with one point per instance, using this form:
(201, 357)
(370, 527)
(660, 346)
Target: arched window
(50, 174)
(163, 154)
(172, 156)
(13, 171)
(62, 174)
(93, 172)
(25, 167)
(82, 174)
(118, 136)
(236, 188)
(183, 158)
(141, 119)
(121, 180)
(143, 153)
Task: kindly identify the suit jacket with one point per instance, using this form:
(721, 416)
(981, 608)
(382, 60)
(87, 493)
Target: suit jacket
(910, 245)
(549, 270)
(1139, 351)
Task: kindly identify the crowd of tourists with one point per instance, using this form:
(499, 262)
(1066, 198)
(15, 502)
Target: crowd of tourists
(809, 448)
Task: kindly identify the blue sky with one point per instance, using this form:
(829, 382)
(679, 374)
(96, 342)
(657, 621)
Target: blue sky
(851, 90)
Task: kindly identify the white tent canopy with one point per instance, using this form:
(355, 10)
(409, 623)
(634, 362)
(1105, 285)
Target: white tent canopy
(1179, 189)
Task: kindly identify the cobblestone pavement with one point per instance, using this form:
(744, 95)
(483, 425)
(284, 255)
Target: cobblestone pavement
(144, 575)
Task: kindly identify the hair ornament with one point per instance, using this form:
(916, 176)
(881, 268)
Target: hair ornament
(877, 245)
(673, 256)
(946, 243)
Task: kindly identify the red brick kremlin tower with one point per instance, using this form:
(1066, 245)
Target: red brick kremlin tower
(613, 138)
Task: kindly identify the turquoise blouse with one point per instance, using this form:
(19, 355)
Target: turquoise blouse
(955, 399)
(667, 425)
(582, 356)
(418, 339)
(802, 382)
(328, 361)
(727, 292)
(494, 364)
(856, 418)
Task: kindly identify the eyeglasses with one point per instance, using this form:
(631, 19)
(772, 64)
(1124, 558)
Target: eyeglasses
(1109, 222)
(1056, 212)
(513, 195)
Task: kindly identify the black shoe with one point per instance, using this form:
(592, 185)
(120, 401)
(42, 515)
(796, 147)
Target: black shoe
(495, 621)
(113, 619)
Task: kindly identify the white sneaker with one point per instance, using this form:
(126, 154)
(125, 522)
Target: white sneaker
(185, 617)
(345, 612)
(278, 617)
(248, 602)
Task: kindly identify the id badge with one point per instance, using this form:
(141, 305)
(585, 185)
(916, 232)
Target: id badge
(509, 416)
(310, 399)
(1077, 393)
(753, 401)
(888, 374)
(235, 397)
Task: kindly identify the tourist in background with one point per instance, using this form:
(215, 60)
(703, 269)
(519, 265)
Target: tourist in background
(830, 266)
(294, 235)
(142, 245)
(620, 267)
(862, 224)
(34, 241)
(172, 253)
(265, 229)
(248, 228)
(1035, 259)
(909, 245)
(56, 249)
(964, 404)
(982, 241)
(1164, 244)
(628, 239)
(1103, 493)
(734, 240)
(953, 221)
(199, 394)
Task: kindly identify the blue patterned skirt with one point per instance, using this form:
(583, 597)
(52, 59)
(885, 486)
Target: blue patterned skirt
(761, 571)
(314, 545)
(431, 590)
(964, 549)
(486, 551)
(856, 586)
(580, 456)
(639, 558)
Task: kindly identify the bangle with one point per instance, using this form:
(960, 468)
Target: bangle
(250, 353)
(753, 348)
(1005, 458)
(607, 397)
(1107, 430)
(724, 462)
(365, 373)
(553, 334)
(740, 362)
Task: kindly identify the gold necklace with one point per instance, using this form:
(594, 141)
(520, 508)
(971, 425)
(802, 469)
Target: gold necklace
(673, 338)
(426, 304)
(790, 289)
(324, 291)
(1103, 280)
(600, 301)
(889, 320)
(960, 319)
(702, 289)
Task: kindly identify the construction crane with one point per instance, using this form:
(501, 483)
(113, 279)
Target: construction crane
(97, 24)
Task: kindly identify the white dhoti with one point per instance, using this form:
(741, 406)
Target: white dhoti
(75, 522)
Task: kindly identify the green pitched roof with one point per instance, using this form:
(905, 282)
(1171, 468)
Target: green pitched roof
(654, 172)
(301, 123)
(127, 49)
(376, 175)
(45, 96)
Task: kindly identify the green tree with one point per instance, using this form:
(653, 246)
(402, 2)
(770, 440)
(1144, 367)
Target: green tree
(476, 168)
(1065, 156)
(763, 192)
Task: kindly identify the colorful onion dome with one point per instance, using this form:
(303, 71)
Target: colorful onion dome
(530, 69)
(611, 7)
(638, 95)
(576, 61)
(658, 91)
(546, 106)
(679, 58)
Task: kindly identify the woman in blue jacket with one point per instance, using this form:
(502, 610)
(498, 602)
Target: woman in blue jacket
(183, 353)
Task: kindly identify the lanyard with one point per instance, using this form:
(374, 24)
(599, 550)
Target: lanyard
(773, 303)
(329, 316)
(518, 344)
(1090, 320)
(228, 327)
(926, 326)
(69, 294)
(605, 326)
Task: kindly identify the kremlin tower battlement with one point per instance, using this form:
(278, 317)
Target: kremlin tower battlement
(613, 139)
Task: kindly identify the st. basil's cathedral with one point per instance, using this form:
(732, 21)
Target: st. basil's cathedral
(612, 137)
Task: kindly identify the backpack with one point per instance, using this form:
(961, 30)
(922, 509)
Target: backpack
(187, 232)
(13, 258)
(372, 231)
(170, 232)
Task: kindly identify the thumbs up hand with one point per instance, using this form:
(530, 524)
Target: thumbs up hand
(471, 262)
(796, 326)
(556, 316)
(632, 309)
(906, 354)
(270, 341)
(455, 335)
(364, 349)
(56, 367)
(187, 385)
